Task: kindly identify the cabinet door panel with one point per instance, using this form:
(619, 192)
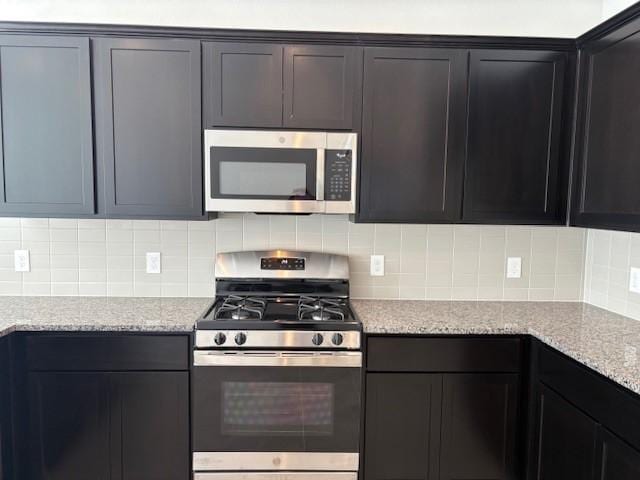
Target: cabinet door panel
(566, 439)
(69, 424)
(402, 426)
(616, 459)
(514, 133)
(46, 146)
(148, 97)
(242, 85)
(607, 143)
(320, 86)
(153, 425)
(412, 138)
(479, 415)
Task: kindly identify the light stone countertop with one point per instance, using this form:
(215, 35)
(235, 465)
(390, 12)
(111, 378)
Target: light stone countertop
(27, 314)
(604, 341)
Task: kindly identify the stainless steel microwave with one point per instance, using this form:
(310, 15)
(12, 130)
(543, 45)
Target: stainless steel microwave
(280, 172)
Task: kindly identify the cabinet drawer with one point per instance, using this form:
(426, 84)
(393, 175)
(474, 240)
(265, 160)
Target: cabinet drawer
(112, 353)
(443, 354)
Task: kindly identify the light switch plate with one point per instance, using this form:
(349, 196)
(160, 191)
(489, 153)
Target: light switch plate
(154, 263)
(21, 260)
(377, 265)
(634, 280)
(514, 267)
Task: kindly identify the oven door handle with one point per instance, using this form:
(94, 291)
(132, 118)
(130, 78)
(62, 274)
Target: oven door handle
(210, 358)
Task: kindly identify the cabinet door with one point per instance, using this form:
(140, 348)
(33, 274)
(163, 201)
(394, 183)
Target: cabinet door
(152, 425)
(607, 141)
(69, 426)
(566, 439)
(402, 426)
(412, 135)
(479, 414)
(513, 144)
(242, 85)
(616, 459)
(148, 108)
(46, 146)
(320, 85)
(5, 412)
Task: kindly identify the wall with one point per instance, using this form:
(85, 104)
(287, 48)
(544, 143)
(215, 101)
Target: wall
(552, 18)
(609, 258)
(98, 257)
(612, 7)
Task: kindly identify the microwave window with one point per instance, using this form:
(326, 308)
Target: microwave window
(258, 178)
(277, 408)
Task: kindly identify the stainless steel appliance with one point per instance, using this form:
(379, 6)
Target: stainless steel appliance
(277, 370)
(281, 172)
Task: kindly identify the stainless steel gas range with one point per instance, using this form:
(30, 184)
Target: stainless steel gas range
(278, 370)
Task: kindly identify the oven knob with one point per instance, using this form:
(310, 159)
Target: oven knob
(241, 338)
(317, 339)
(337, 339)
(220, 338)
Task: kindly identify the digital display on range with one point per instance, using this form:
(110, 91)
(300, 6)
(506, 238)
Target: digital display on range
(282, 263)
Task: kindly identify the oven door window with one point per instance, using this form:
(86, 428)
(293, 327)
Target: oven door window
(276, 409)
(263, 173)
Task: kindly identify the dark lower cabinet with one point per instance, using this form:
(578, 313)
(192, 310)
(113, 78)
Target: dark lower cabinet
(148, 113)
(566, 439)
(98, 425)
(5, 412)
(616, 459)
(424, 422)
(514, 150)
(402, 426)
(479, 427)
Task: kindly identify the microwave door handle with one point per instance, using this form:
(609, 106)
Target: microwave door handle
(320, 155)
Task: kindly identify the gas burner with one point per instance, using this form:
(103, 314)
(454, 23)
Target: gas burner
(241, 308)
(320, 309)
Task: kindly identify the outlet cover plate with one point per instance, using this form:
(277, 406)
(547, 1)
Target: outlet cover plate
(514, 267)
(21, 260)
(377, 265)
(154, 262)
(634, 280)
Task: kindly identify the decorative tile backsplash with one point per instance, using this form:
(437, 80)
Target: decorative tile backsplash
(609, 258)
(107, 257)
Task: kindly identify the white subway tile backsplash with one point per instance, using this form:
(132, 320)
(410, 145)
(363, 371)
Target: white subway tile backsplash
(435, 262)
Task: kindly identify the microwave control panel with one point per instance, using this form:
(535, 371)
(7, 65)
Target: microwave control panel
(337, 175)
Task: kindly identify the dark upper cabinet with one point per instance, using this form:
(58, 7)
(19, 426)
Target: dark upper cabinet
(412, 135)
(46, 137)
(320, 85)
(566, 440)
(479, 425)
(616, 459)
(402, 428)
(148, 117)
(273, 86)
(242, 84)
(514, 152)
(607, 144)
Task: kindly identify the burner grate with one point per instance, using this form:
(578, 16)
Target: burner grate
(235, 307)
(320, 309)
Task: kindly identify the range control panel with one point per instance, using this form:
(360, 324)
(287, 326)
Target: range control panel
(282, 263)
(337, 176)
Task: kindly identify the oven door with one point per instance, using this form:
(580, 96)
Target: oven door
(264, 171)
(261, 411)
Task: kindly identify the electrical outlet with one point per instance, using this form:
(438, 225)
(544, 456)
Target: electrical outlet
(377, 265)
(514, 267)
(634, 280)
(21, 260)
(154, 264)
